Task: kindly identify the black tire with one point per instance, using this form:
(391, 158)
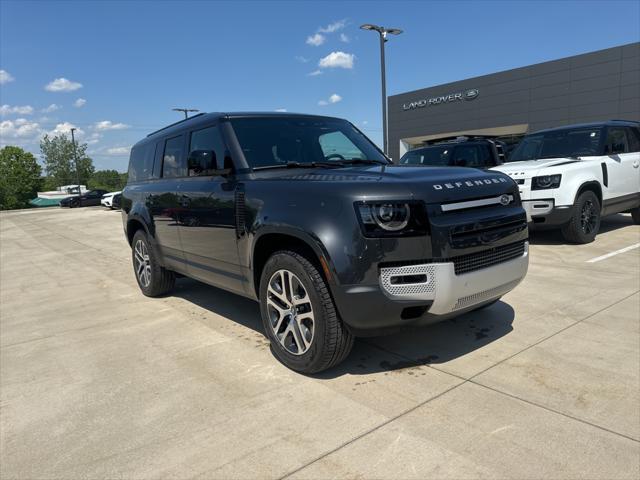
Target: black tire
(331, 341)
(635, 215)
(585, 221)
(160, 280)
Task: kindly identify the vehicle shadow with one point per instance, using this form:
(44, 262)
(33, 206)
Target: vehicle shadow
(409, 348)
(554, 237)
(236, 308)
(428, 345)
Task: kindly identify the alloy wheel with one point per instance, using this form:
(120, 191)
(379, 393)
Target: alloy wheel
(588, 217)
(290, 312)
(142, 263)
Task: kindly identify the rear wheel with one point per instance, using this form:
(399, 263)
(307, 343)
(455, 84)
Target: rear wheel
(153, 279)
(585, 221)
(635, 215)
(299, 315)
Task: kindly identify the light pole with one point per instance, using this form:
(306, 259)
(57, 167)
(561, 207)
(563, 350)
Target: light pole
(185, 111)
(75, 158)
(383, 32)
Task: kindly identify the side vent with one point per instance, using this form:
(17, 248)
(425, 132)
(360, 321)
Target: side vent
(605, 174)
(240, 211)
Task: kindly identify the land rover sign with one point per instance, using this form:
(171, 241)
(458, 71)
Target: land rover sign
(450, 98)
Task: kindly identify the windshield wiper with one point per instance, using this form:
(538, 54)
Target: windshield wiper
(301, 165)
(362, 161)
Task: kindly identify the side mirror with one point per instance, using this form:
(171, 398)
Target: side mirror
(201, 161)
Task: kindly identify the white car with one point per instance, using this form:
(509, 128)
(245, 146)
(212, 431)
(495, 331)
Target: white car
(569, 177)
(107, 199)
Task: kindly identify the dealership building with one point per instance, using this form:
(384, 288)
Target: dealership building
(595, 86)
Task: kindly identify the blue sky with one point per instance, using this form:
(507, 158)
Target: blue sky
(131, 62)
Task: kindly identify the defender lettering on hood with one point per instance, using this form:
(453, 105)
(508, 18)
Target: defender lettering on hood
(469, 183)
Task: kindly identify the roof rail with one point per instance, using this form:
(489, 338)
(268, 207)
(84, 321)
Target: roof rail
(459, 138)
(620, 120)
(176, 123)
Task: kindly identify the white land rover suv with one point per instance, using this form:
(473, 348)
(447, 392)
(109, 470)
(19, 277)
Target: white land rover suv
(569, 177)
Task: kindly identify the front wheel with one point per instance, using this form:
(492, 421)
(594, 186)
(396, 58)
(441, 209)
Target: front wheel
(299, 315)
(153, 279)
(635, 215)
(585, 221)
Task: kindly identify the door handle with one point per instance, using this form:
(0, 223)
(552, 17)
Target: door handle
(636, 164)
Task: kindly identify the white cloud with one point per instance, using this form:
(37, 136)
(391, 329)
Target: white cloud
(80, 102)
(62, 85)
(109, 125)
(19, 109)
(302, 59)
(51, 108)
(118, 151)
(315, 73)
(281, 109)
(64, 128)
(94, 138)
(344, 38)
(316, 39)
(337, 60)
(333, 27)
(5, 77)
(333, 98)
(19, 128)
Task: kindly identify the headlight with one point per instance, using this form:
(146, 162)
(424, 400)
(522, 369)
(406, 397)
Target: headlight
(385, 219)
(545, 182)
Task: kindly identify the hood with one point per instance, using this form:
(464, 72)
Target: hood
(431, 184)
(521, 169)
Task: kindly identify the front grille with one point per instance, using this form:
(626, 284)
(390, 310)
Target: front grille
(477, 261)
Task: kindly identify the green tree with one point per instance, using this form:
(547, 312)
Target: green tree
(59, 160)
(19, 178)
(109, 180)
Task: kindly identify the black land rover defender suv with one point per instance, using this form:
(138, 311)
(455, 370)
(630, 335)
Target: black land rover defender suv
(475, 152)
(307, 216)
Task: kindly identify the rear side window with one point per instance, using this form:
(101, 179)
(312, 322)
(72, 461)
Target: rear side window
(141, 162)
(173, 161)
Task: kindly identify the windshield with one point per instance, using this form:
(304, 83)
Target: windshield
(434, 156)
(577, 142)
(279, 141)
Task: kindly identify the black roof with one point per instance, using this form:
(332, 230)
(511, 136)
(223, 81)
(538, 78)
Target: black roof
(605, 123)
(202, 118)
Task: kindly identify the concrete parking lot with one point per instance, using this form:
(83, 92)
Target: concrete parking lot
(98, 381)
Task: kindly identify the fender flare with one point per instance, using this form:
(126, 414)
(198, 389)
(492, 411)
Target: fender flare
(142, 216)
(311, 240)
(590, 183)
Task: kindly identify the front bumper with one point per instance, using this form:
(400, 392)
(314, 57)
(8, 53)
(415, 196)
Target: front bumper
(440, 294)
(537, 207)
(449, 292)
(544, 212)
